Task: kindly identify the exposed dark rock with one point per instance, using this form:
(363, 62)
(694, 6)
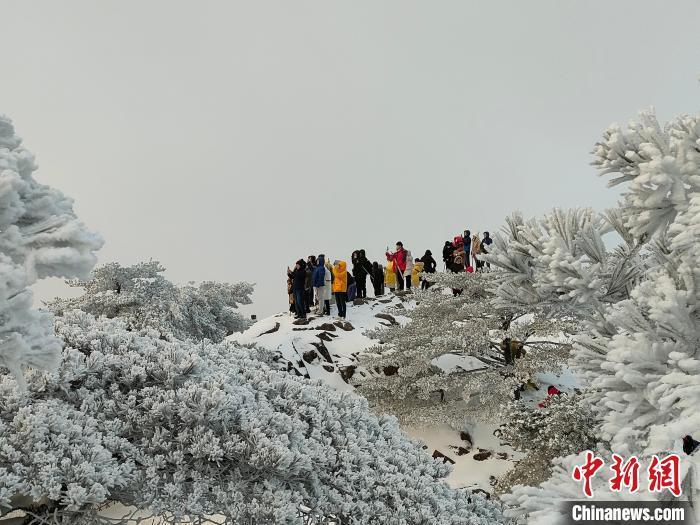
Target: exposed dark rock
(391, 370)
(324, 336)
(271, 330)
(310, 356)
(487, 495)
(326, 327)
(439, 455)
(344, 325)
(323, 351)
(387, 317)
(300, 329)
(347, 372)
(461, 451)
(328, 368)
(464, 436)
(301, 321)
(481, 456)
(384, 301)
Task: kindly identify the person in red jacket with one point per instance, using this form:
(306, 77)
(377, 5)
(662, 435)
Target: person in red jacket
(551, 392)
(399, 259)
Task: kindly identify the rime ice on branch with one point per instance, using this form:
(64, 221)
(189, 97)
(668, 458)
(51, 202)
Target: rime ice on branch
(144, 298)
(640, 300)
(40, 237)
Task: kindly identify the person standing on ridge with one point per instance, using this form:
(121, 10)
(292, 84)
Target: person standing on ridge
(308, 286)
(378, 279)
(322, 285)
(429, 266)
(467, 240)
(458, 255)
(485, 246)
(290, 294)
(340, 286)
(390, 276)
(447, 252)
(417, 273)
(399, 259)
(361, 268)
(298, 277)
(408, 272)
(476, 251)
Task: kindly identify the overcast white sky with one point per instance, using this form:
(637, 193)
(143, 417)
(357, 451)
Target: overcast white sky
(227, 139)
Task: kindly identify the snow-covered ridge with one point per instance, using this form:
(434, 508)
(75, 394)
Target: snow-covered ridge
(326, 348)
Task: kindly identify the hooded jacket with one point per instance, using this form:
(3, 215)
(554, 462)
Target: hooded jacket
(429, 262)
(415, 274)
(319, 276)
(486, 241)
(340, 277)
(390, 275)
(361, 266)
(476, 246)
(447, 252)
(298, 275)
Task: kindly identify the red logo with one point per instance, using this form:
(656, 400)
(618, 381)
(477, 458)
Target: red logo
(665, 474)
(662, 474)
(587, 471)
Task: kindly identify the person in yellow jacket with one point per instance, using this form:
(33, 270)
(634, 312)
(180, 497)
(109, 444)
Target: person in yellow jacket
(390, 276)
(340, 286)
(416, 273)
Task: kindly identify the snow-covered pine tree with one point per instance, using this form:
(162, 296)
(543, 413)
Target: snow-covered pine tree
(181, 429)
(40, 237)
(639, 350)
(190, 430)
(144, 298)
(563, 425)
(446, 363)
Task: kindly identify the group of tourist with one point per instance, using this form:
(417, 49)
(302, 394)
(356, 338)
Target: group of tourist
(465, 252)
(314, 281)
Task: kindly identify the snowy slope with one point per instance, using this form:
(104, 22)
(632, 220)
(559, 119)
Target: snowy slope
(326, 349)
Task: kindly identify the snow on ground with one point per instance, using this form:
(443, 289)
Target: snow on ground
(476, 464)
(326, 348)
(302, 345)
(452, 362)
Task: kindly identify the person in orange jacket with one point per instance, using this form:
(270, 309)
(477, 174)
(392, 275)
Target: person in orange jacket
(390, 276)
(340, 286)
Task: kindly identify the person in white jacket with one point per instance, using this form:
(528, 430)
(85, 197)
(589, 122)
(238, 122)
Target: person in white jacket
(409, 269)
(321, 280)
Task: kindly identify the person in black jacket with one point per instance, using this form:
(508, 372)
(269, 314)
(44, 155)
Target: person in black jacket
(378, 279)
(308, 288)
(361, 268)
(298, 277)
(467, 237)
(447, 252)
(689, 445)
(429, 266)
